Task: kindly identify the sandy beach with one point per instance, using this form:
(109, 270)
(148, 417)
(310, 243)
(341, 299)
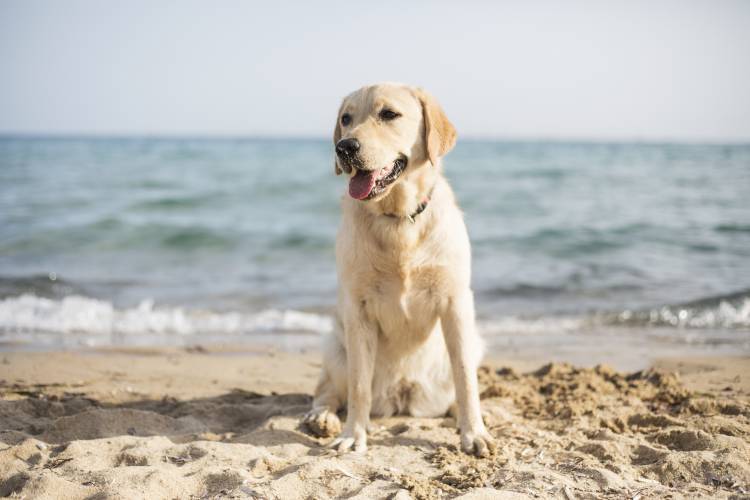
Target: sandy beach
(195, 196)
(224, 423)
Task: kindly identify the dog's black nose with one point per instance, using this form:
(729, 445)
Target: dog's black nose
(347, 147)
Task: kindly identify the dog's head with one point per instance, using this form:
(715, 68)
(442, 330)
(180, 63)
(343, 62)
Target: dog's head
(385, 131)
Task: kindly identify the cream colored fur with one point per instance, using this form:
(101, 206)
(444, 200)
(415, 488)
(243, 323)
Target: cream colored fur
(405, 340)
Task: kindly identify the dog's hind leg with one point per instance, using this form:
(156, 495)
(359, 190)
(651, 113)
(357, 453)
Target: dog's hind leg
(322, 420)
(330, 394)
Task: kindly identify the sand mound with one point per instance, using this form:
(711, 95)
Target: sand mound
(563, 432)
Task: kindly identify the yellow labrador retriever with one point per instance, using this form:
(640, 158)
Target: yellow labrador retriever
(405, 340)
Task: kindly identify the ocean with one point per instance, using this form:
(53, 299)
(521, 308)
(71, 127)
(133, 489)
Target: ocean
(145, 241)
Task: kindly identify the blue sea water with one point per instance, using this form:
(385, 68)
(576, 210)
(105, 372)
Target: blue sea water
(142, 240)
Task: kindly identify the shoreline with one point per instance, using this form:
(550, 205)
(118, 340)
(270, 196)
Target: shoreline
(625, 350)
(223, 422)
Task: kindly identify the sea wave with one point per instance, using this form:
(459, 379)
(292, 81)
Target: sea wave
(76, 314)
(731, 311)
(728, 312)
(42, 285)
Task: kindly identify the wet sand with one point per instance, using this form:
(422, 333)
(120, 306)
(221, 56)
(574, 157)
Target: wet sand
(205, 423)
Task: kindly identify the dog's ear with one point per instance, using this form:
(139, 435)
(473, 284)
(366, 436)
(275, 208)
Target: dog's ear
(439, 133)
(336, 139)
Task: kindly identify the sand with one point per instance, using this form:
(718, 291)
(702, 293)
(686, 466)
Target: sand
(207, 423)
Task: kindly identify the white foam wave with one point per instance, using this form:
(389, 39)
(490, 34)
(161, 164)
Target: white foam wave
(722, 315)
(29, 314)
(725, 314)
(84, 315)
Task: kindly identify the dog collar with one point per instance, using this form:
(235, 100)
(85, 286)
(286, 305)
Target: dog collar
(420, 208)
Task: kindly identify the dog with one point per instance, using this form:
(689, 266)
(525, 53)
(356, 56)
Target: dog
(405, 340)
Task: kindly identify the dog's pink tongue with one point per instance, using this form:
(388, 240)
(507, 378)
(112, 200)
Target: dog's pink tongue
(361, 184)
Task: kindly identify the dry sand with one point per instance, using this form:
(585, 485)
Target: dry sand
(198, 424)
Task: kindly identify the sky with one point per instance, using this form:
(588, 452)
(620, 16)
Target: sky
(599, 70)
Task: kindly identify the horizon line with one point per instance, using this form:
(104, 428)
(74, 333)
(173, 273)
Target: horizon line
(207, 136)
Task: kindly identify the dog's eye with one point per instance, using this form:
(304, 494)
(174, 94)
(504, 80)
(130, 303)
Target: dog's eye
(388, 115)
(346, 119)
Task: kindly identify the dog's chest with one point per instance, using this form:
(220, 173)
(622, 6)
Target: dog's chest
(403, 300)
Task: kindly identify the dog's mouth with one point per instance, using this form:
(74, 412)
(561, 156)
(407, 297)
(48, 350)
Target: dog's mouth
(367, 184)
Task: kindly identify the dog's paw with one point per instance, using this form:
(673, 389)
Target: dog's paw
(322, 422)
(478, 443)
(351, 440)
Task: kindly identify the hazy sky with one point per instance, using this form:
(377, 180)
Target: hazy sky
(634, 70)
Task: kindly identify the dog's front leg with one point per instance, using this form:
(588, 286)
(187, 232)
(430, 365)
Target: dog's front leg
(361, 344)
(464, 349)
